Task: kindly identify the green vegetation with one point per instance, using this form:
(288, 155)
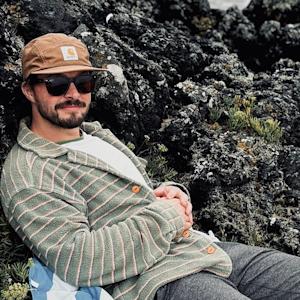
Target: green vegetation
(154, 152)
(203, 23)
(14, 264)
(239, 112)
(13, 281)
(16, 291)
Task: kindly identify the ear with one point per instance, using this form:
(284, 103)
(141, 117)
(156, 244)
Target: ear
(28, 91)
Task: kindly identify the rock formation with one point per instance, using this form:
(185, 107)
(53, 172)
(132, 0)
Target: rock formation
(210, 85)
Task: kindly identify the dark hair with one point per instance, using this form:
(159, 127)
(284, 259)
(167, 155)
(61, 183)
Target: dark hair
(31, 79)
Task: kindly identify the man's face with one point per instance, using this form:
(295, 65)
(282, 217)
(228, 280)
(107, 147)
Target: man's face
(66, 111)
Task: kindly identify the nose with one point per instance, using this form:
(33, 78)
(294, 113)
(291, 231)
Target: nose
(72, 92)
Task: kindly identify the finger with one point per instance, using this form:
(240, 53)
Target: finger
(161, 198)
(182, 196)
(185, 196)
(188, 212)
(189, 218)
(185, 203)
(160, 191)
(173, 191)
(172, 194)
(188, 208)
(187, 225)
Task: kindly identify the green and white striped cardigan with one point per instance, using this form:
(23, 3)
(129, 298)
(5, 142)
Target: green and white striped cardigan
(95, 227)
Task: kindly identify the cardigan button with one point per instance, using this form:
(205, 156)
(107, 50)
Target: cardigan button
(136, 189)
(186, 233)
(211, 250)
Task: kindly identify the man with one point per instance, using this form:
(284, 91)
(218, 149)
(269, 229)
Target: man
(83, 203)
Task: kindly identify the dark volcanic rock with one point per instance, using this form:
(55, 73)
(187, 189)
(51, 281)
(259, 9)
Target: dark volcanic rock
(276, 41)
(44, 16)
(179, 55)
(278, 96)
(239, 33)
(167, 74)
(178, 134)
(285, 12)
(10, 74)
(259, 35)
(183, 10)
(129, 103)
(229, 69)
(240, 181)
(290, 162)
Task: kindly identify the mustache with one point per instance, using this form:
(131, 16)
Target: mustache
(70, 102)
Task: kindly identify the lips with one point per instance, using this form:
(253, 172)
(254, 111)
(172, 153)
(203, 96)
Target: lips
(70, 104)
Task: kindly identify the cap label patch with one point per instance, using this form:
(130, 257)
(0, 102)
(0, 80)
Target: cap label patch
(69, 53)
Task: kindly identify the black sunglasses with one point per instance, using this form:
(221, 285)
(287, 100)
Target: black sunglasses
(58, 85)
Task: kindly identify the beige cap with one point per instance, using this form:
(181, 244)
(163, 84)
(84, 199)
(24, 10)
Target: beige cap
(55, 53)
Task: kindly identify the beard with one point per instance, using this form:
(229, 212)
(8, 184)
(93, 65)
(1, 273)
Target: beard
(73, 120)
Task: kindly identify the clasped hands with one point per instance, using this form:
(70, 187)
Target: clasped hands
(180, 201)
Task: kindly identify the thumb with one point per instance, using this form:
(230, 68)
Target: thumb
(171, 194)
(159, 191)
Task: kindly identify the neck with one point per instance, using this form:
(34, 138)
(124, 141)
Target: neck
(53, 132)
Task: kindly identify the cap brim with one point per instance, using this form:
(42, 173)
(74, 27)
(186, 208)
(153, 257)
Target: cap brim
(64, 69)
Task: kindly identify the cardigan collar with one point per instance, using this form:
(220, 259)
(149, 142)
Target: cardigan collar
(28, 140)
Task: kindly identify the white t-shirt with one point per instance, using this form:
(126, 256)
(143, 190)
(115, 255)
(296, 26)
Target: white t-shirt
(109, 154)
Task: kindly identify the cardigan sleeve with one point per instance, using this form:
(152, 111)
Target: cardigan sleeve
(60, 235)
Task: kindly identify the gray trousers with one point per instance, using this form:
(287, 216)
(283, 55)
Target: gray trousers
(258, 273)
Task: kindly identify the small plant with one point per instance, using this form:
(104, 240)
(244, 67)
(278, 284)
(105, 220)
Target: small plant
(19, 270)
(157, 167)
(131, 146)
(269, 129)
(215, 113)
(239, 113)
(16, 291)
(14, 263)
(237, 119)
(203, 23)
(13, 280)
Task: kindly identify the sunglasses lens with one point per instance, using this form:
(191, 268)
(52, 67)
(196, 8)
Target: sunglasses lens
(57, 86)
(85, 83)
